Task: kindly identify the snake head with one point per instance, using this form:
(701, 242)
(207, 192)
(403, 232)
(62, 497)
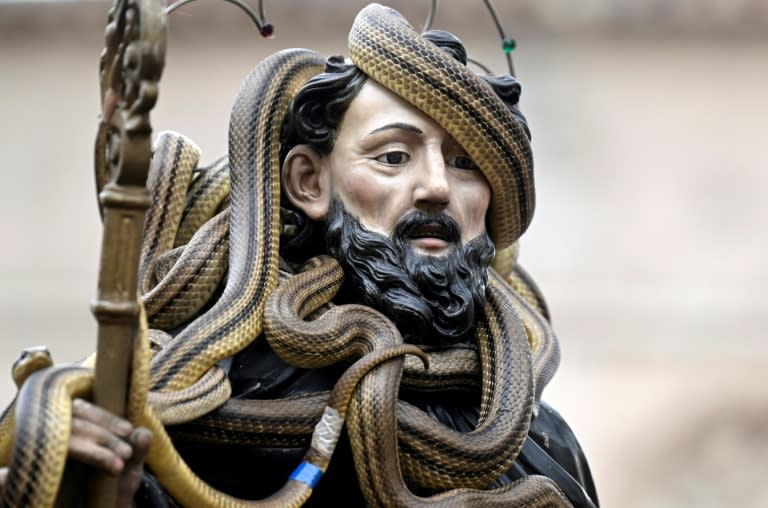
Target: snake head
(30, 360)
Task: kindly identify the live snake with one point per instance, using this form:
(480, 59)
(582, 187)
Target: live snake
(388, 50)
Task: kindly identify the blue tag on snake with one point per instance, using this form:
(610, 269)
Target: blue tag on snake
(307, 473)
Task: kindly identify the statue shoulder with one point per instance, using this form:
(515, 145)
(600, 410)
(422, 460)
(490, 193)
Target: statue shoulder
(552, 449)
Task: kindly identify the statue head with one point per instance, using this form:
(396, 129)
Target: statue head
(375, 182)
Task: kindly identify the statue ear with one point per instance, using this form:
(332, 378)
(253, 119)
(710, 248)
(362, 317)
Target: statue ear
(305, 181)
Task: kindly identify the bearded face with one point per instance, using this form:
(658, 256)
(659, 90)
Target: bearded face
(431, 299)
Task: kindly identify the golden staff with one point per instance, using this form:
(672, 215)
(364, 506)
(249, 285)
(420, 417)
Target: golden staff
(130, 68)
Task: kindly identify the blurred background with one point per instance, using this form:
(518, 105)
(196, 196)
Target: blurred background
(649, 239)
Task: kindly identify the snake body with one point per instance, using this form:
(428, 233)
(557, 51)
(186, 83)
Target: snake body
(374, 440)
(185, 366)
(30, 361)
(206, 195)
(235, 319)
(333, 335)
(177, 283)
(30, 442)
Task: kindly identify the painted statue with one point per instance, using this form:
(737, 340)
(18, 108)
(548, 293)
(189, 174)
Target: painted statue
(333, 312)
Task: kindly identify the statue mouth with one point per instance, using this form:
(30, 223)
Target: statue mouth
(432, 230)
(433, 236)
(428, 232)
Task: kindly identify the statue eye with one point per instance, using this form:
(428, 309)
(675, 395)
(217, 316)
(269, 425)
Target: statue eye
(462, 162)
(395, 158)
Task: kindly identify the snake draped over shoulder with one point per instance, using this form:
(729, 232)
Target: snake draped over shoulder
(189, 256)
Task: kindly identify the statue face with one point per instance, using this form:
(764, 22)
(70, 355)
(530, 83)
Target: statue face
(390, 159)
(404, 210)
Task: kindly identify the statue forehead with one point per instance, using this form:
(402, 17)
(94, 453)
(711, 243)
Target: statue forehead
(375, 106)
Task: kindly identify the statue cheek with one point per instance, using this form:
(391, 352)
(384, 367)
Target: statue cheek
(364, 196)
(476, 208)
(479, 207)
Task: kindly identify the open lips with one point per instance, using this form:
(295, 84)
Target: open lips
(432, 235)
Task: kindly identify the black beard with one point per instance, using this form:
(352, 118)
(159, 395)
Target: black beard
(431, 300)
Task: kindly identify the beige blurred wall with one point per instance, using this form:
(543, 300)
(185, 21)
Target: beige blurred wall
(649, 237)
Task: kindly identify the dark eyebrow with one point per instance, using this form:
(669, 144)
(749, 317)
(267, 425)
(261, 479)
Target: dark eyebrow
(398, 125)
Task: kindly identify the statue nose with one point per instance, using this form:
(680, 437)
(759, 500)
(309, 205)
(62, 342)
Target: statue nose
(432, 190)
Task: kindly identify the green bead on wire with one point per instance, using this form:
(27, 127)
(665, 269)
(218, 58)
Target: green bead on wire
(508, 44)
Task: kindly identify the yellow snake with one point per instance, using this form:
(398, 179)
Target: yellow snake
(474, 116)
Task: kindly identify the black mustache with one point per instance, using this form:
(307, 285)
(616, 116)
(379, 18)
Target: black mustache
(406, 227)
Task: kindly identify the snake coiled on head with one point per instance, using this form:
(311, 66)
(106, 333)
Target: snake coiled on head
(386, 47)
(391, 53)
